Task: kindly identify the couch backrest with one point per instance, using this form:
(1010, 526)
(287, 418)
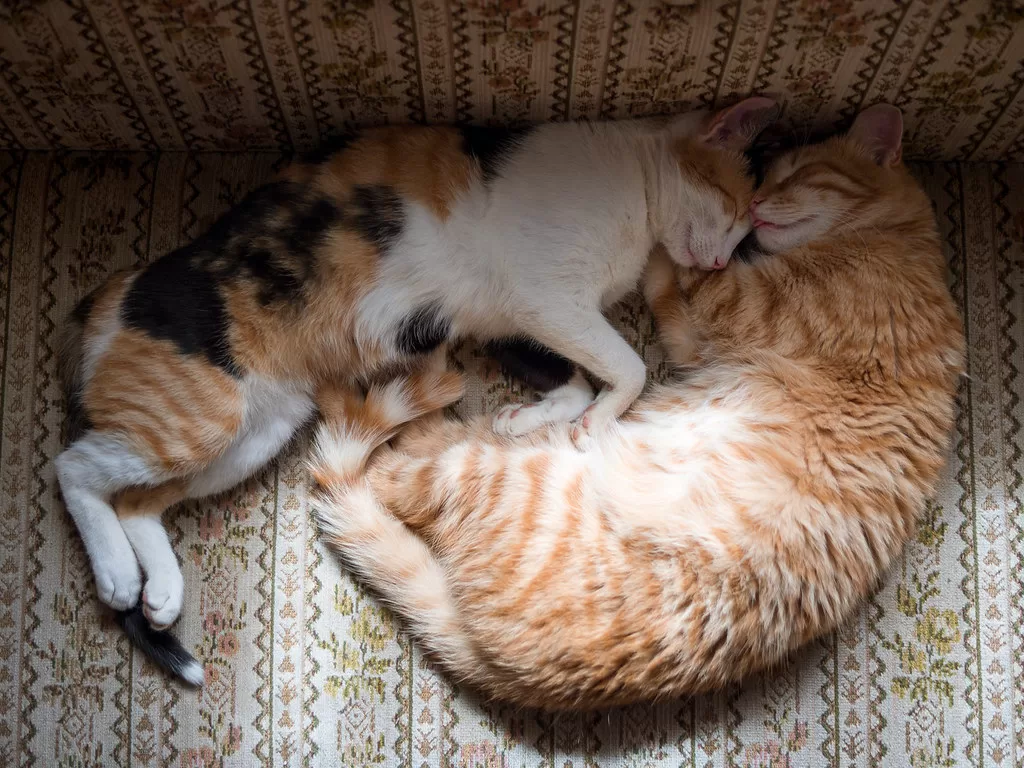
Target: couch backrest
(284, 74)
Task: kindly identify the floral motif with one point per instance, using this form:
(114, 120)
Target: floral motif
(304, 667)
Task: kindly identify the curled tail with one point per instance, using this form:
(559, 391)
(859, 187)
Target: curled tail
(351, 427)
(161, 647)
(379, 548)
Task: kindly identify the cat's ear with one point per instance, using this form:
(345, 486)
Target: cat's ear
(879, 129)
(737, 126)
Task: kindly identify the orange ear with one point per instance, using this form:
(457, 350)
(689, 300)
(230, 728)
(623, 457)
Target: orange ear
(737, 126)
(879, 129)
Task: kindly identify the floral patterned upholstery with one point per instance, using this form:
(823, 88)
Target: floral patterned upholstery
(284, 74)
(304, 668)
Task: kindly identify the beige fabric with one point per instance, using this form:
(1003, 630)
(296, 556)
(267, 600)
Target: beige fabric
(305, 669)
(213, 74)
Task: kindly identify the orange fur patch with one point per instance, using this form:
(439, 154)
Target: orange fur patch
(180, 411)
(424, 164)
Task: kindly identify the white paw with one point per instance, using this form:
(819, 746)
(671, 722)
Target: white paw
(590, 425)
(118, 581)
(162, 599)
(514, 420)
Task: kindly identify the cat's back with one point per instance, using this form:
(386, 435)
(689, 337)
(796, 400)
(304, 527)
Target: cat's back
(597, 164)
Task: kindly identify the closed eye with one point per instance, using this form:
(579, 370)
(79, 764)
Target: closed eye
(825, 177)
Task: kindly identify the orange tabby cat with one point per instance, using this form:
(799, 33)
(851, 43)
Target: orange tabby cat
(729, 517)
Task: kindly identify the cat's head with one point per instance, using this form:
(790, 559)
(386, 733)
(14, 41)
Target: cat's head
(708, 210)
(845, 184)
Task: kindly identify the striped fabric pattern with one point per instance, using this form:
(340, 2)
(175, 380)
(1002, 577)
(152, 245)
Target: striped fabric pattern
(304, 668)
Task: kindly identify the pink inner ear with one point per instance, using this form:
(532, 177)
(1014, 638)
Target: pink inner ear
(880, 129)
(737, 126)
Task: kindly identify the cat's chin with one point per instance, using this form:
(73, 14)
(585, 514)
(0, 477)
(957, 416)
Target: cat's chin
(686, 260)
(778, 237)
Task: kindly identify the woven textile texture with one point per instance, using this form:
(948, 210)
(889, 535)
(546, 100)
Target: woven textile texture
(284, 74)
(304, 668)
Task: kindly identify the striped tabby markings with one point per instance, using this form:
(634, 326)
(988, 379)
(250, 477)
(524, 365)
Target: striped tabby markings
(182, 413)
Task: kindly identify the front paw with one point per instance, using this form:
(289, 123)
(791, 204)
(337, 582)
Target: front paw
(518, 419)
(119, 582)
(588, 427)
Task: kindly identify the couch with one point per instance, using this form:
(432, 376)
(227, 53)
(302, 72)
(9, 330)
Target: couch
(126, 126)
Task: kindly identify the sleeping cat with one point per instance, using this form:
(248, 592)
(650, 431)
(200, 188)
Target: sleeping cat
(187, 375)
(729, 517)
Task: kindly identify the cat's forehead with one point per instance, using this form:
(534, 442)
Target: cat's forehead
(723, 169)
(834, 152)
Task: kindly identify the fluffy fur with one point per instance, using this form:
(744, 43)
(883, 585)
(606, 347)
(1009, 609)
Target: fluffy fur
(729, 517)
(188, 375)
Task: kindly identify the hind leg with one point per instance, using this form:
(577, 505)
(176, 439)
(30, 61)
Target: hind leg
(140, 510)
(89, 472)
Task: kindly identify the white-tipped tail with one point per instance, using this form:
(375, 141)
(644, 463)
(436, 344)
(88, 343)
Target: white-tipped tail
(385, 554)
(193, 674)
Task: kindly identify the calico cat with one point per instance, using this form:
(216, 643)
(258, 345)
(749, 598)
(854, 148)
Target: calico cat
(184, 377)
(730, 516)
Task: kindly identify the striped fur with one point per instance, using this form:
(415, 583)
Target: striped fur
(730, 517)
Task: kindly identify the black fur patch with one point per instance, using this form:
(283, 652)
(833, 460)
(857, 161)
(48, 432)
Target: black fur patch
(424, 330)
(80, 314)
(270, 238)
(176, 299)
(280, 278)
(160, 646)
(377, 214)
(309, 224)
(491, 146)
(328, 148)
(76, 422)
(527, 360)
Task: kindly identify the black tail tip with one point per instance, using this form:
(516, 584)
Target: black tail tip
(161, 647)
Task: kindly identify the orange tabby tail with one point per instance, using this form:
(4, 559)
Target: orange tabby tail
(375, 543)
(352, 427)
